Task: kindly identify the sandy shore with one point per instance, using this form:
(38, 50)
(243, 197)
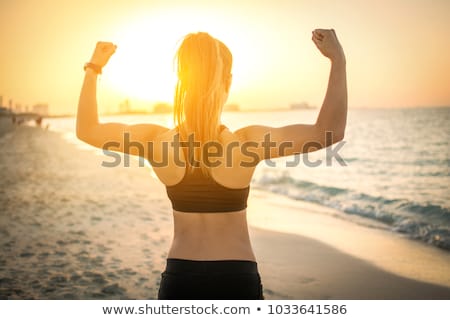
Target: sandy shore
(6, 124)
(297, 267)
(72, 229)
(377, 245)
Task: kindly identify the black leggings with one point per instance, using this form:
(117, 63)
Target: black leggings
(210, 280)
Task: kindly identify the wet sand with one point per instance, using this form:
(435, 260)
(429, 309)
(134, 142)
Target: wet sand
(73, 229)
(6, 124)
(297, 267)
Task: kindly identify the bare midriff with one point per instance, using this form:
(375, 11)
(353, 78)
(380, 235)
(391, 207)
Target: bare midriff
(211, 236)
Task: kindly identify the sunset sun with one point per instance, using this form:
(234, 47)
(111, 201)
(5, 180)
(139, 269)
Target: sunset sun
(143, 65)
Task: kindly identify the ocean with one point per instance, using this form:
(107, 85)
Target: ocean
(392, 169)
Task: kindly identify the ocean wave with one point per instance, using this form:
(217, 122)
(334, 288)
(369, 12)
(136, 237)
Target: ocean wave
(427, 221)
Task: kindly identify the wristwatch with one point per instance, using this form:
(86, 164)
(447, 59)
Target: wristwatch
(95, 67)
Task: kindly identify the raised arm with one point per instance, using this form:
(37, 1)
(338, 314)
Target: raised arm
(108, 135)
(333, 114)
(331, 121)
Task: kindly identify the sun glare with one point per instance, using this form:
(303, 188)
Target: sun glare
(143, 66)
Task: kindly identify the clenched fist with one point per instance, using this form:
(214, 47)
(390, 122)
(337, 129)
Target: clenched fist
(103, 51)
(328, 44)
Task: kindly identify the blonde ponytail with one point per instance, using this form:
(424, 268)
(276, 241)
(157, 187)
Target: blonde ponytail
(204, 72)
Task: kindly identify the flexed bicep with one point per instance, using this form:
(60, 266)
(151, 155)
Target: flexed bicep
(130, 139)
(270, 142)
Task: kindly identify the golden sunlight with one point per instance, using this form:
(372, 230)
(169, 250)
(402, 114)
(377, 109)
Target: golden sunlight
(143, 65)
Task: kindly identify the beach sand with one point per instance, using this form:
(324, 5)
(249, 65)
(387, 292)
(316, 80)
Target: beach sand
(297, 267)
(317, 232)
(6, 124)
(73, 229)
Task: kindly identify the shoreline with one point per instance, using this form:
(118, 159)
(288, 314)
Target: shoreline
(71, 229)
(384, 249)
(302, 268)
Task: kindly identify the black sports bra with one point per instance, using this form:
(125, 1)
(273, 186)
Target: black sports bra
(197, 192)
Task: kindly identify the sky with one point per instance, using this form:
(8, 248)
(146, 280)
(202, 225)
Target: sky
(397, 51)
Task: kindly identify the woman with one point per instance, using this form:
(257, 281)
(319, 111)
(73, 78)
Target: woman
(207, 168)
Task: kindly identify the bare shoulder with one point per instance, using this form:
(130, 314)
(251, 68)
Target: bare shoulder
(252, 132)
(166, 135)
(273, 142)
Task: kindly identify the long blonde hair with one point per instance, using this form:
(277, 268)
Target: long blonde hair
(204, 76)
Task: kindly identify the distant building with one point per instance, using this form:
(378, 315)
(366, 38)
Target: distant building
(162, 108)
(1, 101)
(231, 107)
(41, 108)
(18, 108)
(124, 106)
(4, 111)
(300, 106)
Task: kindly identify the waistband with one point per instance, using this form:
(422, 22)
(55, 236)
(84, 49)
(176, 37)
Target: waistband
(211, 266)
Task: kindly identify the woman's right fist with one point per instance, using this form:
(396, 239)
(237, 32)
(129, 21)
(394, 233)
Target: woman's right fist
(103, 51)
(328, 44)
